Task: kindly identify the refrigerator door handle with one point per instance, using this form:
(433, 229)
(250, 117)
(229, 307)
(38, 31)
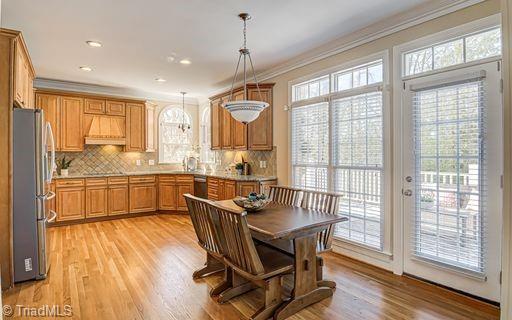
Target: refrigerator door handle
(50, 195)
(52, 217)
(52, 161)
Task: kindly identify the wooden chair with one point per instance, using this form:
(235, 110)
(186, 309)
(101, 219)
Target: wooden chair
(285, 195)
(207, 236)
(329, 203)
(259, 266)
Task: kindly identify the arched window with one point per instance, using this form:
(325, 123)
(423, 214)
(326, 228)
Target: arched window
(173, 143)
(207, 155)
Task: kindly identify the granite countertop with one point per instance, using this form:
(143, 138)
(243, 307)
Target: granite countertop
(214, 174)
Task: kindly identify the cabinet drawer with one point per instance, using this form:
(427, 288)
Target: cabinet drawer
(95, 181)
(69, 183)
(185, 179)
(142, 179)
(167, 179)
(116, 108)
(94, 106)
(118, 180)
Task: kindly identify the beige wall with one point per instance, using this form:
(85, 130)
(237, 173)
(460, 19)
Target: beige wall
(281, 125)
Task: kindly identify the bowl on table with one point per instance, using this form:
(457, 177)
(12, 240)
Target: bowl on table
(252, 203)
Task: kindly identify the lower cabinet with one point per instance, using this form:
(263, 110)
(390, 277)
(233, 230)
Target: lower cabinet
(96, 201)
(171, 190)
(229, 189)
(70, 203)
(118, 199)
(143, 197)
(245, 188)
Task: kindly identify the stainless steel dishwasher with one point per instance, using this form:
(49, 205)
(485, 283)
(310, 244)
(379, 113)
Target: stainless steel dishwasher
(200, 187)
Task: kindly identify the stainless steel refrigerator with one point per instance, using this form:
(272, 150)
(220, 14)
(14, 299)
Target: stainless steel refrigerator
(33, 164)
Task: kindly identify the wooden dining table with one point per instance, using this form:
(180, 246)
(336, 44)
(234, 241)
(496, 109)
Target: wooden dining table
(300, 226)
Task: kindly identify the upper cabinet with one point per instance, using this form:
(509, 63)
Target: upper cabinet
(216, 118)
(94, 106)
(71, 124)
(229, 134)
(23, 75)
(51, 105)
(135, 127)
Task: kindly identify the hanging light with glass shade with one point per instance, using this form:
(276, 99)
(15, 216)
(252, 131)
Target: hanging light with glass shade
(183, 126)
(245, 110)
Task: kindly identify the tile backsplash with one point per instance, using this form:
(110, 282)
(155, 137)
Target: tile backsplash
(102, 159)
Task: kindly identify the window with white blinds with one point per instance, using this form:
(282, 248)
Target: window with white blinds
(358, 165)
(449, 124)
(310, 147)
(337, 145)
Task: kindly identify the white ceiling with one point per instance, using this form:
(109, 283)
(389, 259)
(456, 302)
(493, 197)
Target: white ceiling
(138, 36)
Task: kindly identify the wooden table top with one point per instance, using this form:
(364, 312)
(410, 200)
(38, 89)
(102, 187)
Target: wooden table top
(278, 221)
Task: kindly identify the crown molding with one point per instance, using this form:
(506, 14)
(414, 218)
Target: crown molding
(380, 29)
(44, 83)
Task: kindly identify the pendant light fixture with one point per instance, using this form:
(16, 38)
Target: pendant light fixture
(245, 110)
(183, 126)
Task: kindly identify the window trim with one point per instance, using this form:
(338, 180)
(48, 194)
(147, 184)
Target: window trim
(160, 148)
(201, 132)
(386, 236)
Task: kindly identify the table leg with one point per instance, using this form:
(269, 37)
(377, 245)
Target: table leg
(320, 281)
(306, 290)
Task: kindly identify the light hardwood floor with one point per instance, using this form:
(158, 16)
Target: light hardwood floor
(141, 268)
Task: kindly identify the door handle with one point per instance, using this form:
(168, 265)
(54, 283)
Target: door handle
(54, 216)
(407, 192)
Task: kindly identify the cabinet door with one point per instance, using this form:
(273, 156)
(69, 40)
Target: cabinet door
(135, 127)
(116, 108)
(117, 199)
(239, 129)
(143, 198)
(21, 78)
(167, 196)
(216, 124)
(229, 189)
(94, 106)
(260, 131)
(212, 186)
(245, 188)
(227, 130)
(182, 189)
(71, 124)
(50, 104)
(222, 190)
(70, 203)
(96, 202)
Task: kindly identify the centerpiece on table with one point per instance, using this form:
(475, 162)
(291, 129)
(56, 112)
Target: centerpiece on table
(253, 202)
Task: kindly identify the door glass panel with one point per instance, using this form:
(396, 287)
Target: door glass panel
(449, 126)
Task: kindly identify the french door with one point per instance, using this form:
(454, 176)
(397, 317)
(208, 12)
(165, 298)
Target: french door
(452, 166)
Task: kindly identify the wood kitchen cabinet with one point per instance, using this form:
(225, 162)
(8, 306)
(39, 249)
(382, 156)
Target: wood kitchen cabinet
(115, 108)
(118, 195)
(51, 105)
(216, 118)
(229, 189)
(167, 193)
(94, 106)
(70, 199)
(260, 131)
(171, 190)
(245, 188)
(96, 197)
(71, 124)
(227, 129)
(135, 127)
(118, 200)
(143, 194)
(23, 76)
(229, 134)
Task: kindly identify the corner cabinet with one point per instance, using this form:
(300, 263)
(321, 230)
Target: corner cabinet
(23, 76)
(229, 134)
(135, 127)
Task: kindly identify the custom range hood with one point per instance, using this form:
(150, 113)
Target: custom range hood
(104, 130)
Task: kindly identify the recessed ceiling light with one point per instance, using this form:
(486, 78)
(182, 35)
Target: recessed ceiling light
(85, 68)
(185, 61)
(160, 80)
(95, 44)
